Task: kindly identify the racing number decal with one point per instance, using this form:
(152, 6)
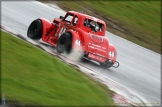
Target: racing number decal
(77, 42)
(63, 29)
(111, 54)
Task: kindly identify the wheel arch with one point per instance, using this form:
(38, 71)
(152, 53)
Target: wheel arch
(76, 39)
(46, 25)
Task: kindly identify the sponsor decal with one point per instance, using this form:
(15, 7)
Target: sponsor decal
(97, 47)
(97, 39)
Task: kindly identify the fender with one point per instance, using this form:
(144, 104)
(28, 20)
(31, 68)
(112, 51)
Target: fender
(46, 25)
(76, 39)
(112, 52)
(106, 45)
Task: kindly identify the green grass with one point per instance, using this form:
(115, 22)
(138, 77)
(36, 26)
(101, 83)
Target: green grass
(141, 18)
(32, 76)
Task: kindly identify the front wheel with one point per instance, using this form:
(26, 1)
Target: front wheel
(35, 30)
(64, 43)
(107, 64)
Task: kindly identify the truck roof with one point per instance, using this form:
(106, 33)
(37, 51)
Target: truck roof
(86, 16)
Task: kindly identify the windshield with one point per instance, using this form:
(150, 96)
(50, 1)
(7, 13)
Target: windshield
(95, 26)
(69, 18)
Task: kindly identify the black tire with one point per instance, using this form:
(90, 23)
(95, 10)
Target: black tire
(64, 43)
(35, 30)
(106, 65)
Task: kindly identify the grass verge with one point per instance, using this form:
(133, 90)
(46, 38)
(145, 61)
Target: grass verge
(34, 77)
(136, 21)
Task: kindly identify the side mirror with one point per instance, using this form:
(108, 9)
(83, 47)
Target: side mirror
(61, 17)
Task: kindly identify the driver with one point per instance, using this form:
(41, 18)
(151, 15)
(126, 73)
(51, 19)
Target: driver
(87, 23)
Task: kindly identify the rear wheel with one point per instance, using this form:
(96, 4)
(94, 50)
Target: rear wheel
(64, 43)
(107, 64)
(35, 30)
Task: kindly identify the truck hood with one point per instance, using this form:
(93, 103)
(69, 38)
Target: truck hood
(96, 44)
(96, 39)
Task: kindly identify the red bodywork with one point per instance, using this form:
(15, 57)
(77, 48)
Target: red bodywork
(93, 43)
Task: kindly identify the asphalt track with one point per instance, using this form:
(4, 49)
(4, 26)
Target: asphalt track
(139, 68)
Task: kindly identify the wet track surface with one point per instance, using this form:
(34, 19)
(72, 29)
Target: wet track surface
(139, 68)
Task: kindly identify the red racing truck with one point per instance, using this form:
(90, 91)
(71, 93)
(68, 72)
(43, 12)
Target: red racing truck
(76, 31)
